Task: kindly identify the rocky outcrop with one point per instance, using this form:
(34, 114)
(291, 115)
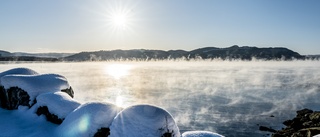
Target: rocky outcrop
(305, 124)
(69, 91)
(15, 97)
(43, 110)
(102, 132)
(3, 97)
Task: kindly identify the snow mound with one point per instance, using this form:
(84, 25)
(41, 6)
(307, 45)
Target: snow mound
(200, 134)
(87, 119)
(19, 71)
(35, 85)
(144, 121)
(58, 103)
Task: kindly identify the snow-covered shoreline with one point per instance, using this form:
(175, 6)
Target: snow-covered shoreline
(89, 119)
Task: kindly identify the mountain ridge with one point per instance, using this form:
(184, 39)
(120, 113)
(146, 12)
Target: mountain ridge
(233, 52)
(228, 53)
(4, 53)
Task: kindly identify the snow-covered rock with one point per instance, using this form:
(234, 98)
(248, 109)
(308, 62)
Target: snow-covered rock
(144, 121)
(35, 85)
(55, 106)
(18, 71)
(88, 119)
(200, 134)
(14, 92)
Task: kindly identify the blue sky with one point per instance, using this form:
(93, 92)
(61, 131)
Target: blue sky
(90, 25)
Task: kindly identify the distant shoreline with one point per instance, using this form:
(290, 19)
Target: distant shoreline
(208, 53)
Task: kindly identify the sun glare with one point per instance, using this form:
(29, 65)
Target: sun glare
(119, 101)
(120, 17)
(119, 21)
(118, 71)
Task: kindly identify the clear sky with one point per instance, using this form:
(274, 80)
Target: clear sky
(91, 25)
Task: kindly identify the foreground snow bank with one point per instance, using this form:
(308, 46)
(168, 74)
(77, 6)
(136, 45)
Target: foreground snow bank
(55, 106)
(144, 121)
(18, 71)
(200, 134)
(87, 119)
(20, 86)
(35, 85)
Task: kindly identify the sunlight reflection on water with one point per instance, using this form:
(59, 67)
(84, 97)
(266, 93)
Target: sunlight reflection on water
(118, 70)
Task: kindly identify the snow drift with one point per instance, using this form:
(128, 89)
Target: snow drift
(144, 121)
(86, 120)
(55, 106)
(18, 71)
(21, 86)
(200, 134)
(35, 85)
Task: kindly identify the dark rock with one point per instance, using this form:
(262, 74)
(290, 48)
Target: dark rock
(297, 123)
(3, 97)
(167, 135)
(69, 91)
(288, 122)
(15, 97)
(315, 117)
(278, 135)
(305, 124)
(263, 128)
(102, 132)
(301, 113)
(43, 110)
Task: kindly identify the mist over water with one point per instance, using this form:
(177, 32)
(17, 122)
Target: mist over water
(228, 97)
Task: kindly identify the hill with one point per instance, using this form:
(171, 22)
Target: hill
(233, 52)
(22, 56)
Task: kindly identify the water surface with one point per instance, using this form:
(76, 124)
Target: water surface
(228, 97)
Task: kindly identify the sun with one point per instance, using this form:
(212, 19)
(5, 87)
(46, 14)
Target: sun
(119, 21)
(120, 18)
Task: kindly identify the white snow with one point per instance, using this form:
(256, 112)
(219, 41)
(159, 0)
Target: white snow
(87, 119)
(24, 123)
(200, 134)
(58, 103)
(20, 71)
(35, 85)
(143, 121)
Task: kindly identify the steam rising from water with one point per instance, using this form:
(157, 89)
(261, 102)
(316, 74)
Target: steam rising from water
(230, 98)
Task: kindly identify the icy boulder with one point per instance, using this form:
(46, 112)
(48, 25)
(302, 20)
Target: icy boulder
(200, 134)
(144, 121)
(34, 85)
(18, 71)
(55, 106)
(88, 120)
(3, 93)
